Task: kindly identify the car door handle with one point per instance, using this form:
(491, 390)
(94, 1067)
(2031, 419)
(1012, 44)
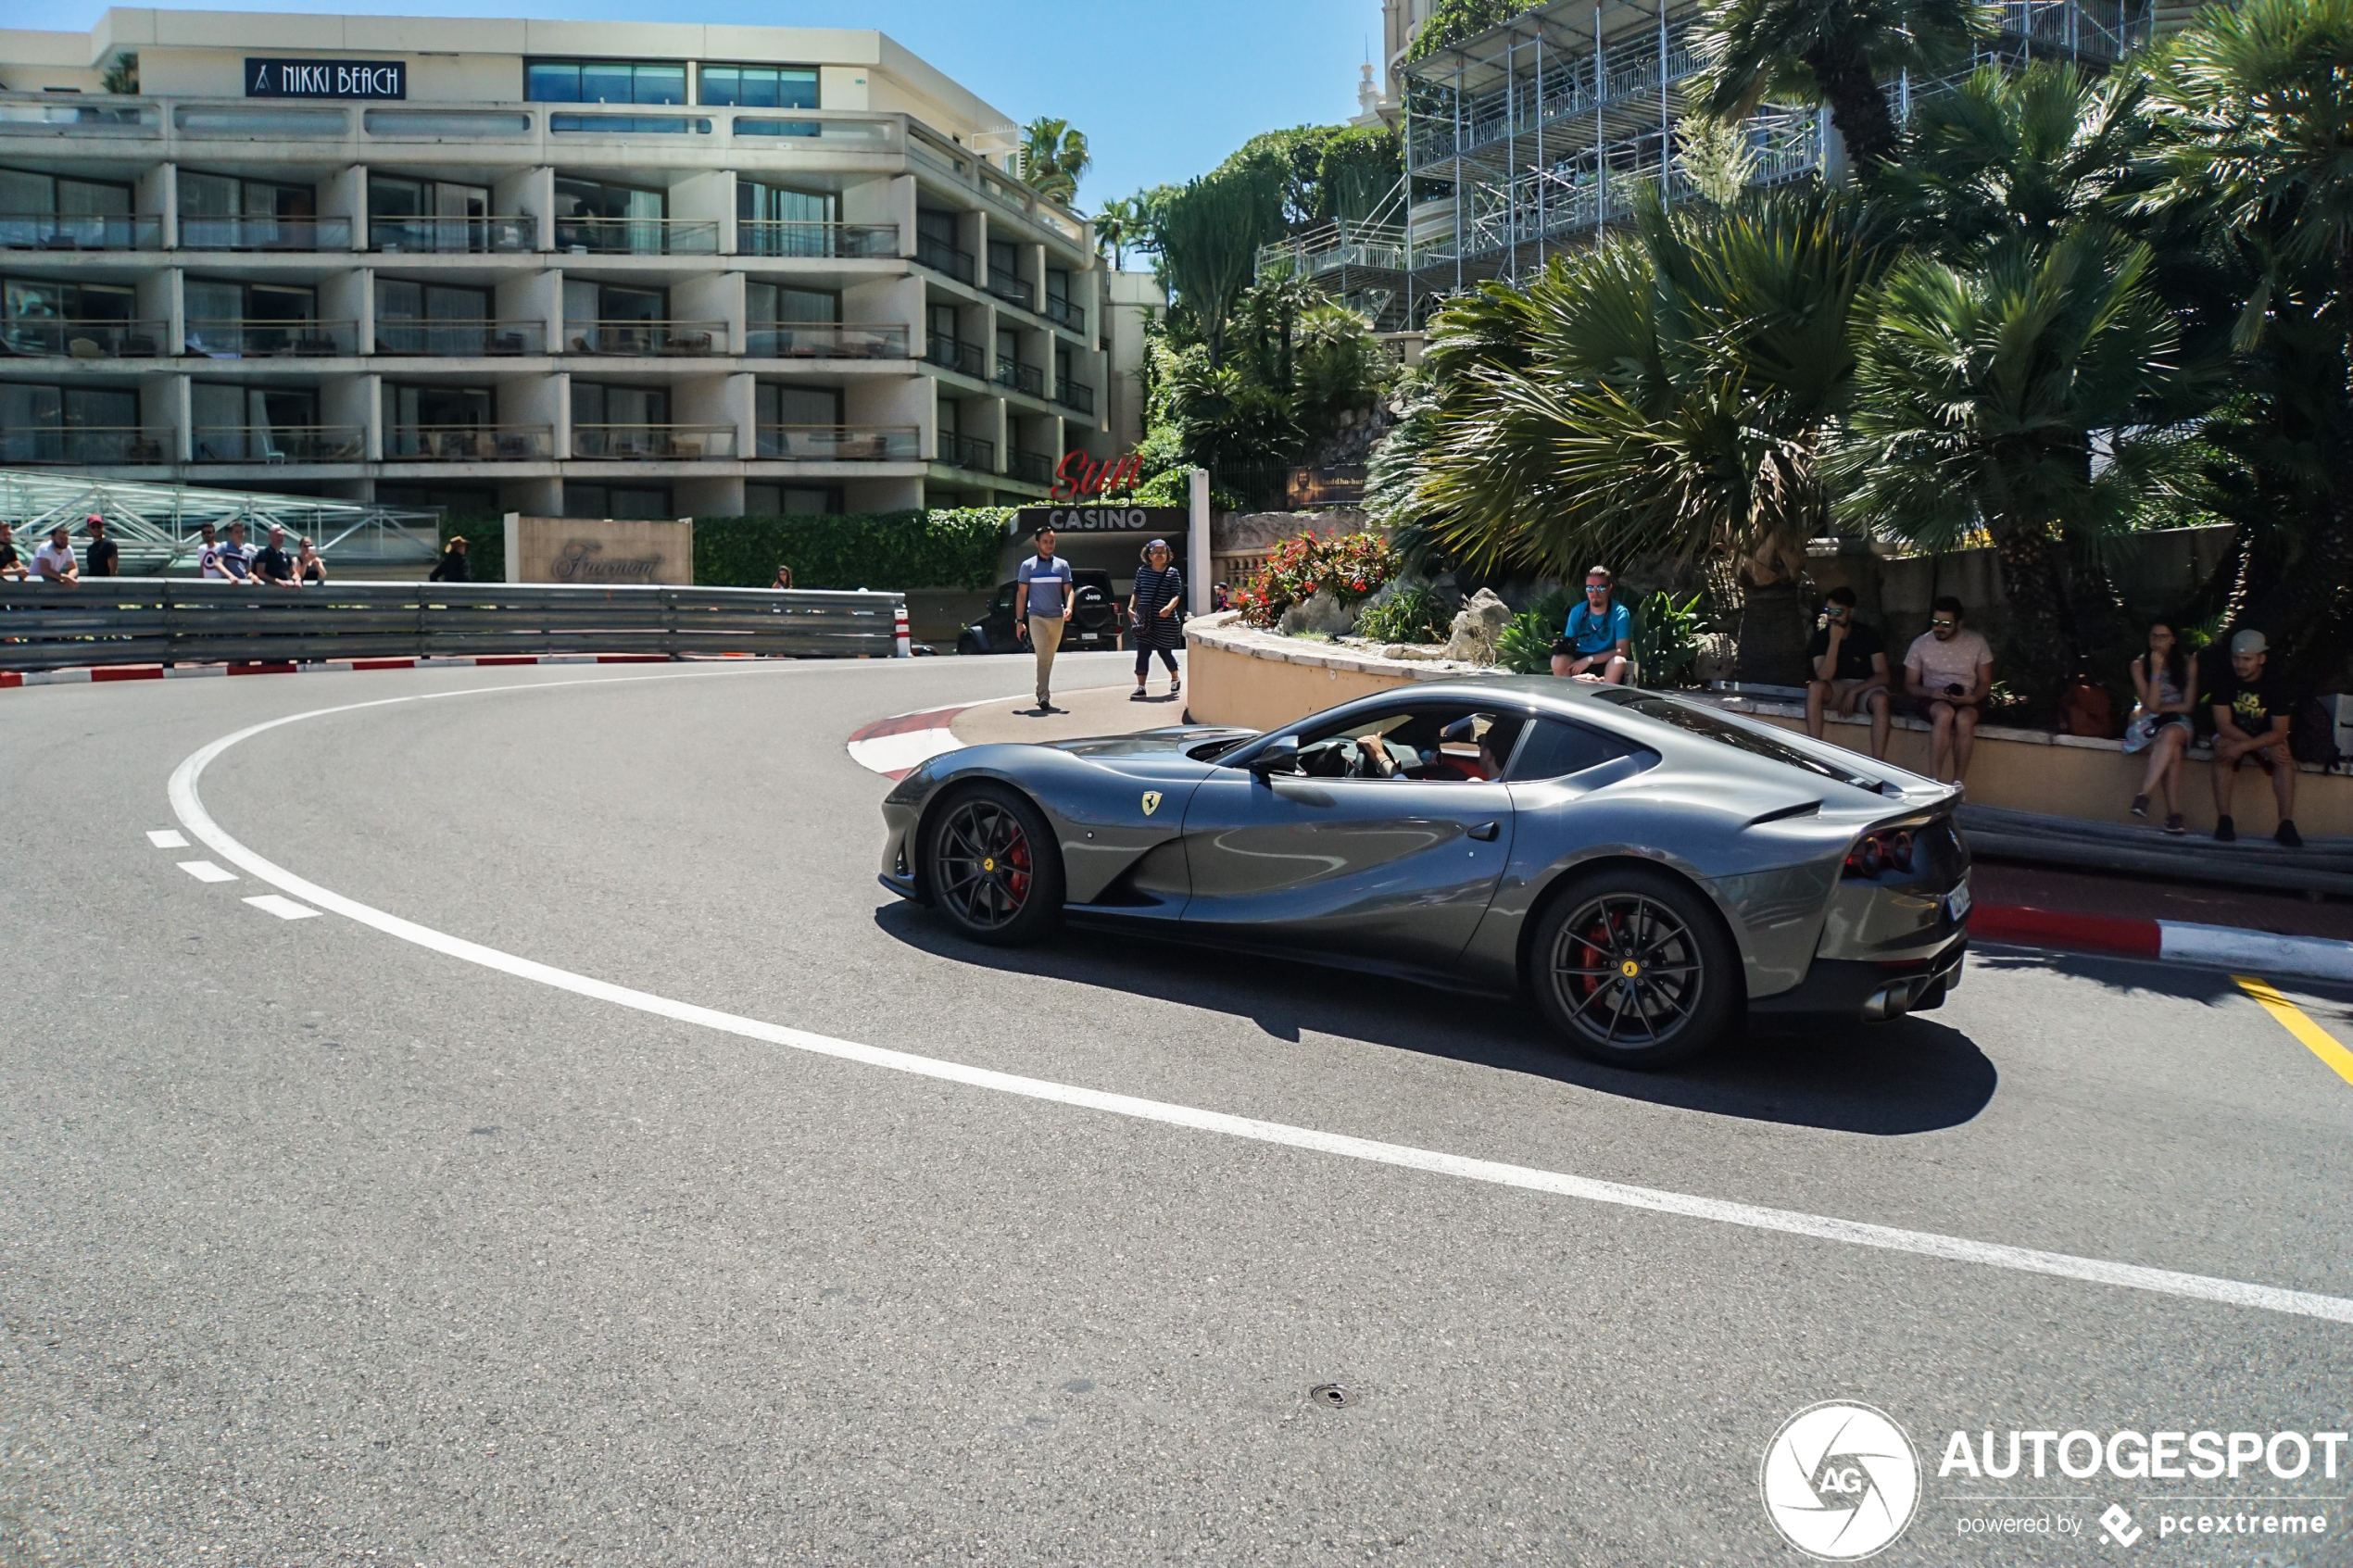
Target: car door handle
(1485, 833)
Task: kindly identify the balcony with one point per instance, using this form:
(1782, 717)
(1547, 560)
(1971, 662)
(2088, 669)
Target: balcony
(653, 443)
(264, 233)
(50, 231)
(209, 339)
(452, 340)
(773, 236)
(99, 445)
(647, 340)
(1062, 313)
(824, 340)
(842, 443)
(967, 452)
(1075, 395)
(277, 444)
(1036, 468)
(1013, 291)
(1015, 376)
(465, 236)
(637, 236)
(941, 257)
(950, 354)
(469, 444)
(56, 337)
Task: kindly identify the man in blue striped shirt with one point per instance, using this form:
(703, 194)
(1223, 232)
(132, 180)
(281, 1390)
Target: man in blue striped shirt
(1042, 603)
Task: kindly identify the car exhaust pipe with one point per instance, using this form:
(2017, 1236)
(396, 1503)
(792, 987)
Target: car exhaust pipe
(1888, 1002)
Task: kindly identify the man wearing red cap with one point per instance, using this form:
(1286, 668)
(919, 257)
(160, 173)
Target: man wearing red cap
(100, 559)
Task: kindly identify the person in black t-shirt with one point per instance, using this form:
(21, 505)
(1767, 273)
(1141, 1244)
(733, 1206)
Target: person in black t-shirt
(100, 559)
(1847, 668)
(273, 565)
(2251, 712)
(12, 566)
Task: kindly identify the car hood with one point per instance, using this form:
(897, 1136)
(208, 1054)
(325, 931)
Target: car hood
(1148, 742)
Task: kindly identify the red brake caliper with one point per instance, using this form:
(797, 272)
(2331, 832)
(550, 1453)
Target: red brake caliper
(1596, 971)
(1017, 856)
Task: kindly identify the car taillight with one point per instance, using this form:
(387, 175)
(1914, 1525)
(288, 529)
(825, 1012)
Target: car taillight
(1879, 852)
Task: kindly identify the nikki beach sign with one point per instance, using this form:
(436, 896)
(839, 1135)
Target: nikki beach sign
(326, 78)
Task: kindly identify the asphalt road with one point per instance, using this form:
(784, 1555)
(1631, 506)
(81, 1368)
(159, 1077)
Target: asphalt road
(319, 1246)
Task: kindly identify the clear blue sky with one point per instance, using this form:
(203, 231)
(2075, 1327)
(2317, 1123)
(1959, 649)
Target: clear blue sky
(1163, 89)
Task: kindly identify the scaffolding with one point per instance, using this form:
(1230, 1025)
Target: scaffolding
(157, 527)
(1537, 135)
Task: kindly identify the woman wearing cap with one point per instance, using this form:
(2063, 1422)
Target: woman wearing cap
(1159, 588)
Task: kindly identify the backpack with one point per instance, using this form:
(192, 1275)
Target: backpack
(2085, 709)
(2312, 735)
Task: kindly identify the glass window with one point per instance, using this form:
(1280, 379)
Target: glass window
(551, 82)
(615, 501)
(790, 500)
(1695, 719)
(1554, 750)
(24, 300)
(782, 203)
(208, 195)
(770, 302)
(604, 81)
(797, 405)
(1058, 284)
(1002, 260)
(760, 87)
(24, 194)
(936, 225)
(79, 198)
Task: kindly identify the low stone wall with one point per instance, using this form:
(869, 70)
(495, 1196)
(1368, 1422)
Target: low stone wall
(1236, 675)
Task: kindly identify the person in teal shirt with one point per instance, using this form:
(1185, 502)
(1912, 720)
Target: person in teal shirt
(1598, 643)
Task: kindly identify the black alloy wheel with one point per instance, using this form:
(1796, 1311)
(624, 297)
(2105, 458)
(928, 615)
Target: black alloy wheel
(994, 869)
(1635, 970)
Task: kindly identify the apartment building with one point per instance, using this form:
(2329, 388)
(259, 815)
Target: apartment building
(584, 268)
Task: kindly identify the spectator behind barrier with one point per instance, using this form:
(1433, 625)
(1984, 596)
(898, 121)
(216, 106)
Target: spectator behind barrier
(1948, 671)
(2251, 712)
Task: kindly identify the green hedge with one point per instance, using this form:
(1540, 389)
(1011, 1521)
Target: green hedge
(889, 551)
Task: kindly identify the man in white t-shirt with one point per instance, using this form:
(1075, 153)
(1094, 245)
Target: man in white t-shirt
(1948, 671)
(208, 554)
(53, 563)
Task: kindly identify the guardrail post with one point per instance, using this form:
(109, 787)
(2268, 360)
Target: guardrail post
(902, 646)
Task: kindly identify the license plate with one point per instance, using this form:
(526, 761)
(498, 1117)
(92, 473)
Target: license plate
(1957, 903)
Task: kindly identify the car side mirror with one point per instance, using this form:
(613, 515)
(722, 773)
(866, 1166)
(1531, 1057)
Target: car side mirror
(1277, 755)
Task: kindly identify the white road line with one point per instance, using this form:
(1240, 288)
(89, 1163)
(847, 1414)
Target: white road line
(205, 870)
(283, 907)
(164, 838)
(189, 807)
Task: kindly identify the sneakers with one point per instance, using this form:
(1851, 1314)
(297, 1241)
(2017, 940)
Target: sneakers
(2141, 807)
(2173, 825)
(2287, 837)
(2226, 831)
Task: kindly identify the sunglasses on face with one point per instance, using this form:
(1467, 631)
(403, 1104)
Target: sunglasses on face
(1944, 625)
(1597, 588)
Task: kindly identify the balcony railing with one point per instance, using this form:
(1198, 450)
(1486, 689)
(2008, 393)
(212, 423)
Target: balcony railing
(1035, 467)
(277, 444)
(50, 231)
(270, 340)
(941, 257)
(1062, 313)
(951, 354)
(110, 339)
(444, 340)
(264, 233)
(1014, 291)
(781, 236)
(647, 443)
(97, 444)
(469, 444)
(842, 443)
(639, 236)
(1014, 376)
(824, 340)
(646, 340)
(1075, 395)
(968, 452)
(464, 235)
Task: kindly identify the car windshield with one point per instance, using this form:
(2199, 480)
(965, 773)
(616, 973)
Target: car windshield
(1695, 719)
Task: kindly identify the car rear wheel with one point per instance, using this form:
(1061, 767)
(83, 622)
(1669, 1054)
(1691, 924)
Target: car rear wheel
(993, 868)
(1633, 966)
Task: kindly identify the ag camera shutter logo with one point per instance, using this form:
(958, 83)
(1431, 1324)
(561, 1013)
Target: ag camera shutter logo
(1841, 1480)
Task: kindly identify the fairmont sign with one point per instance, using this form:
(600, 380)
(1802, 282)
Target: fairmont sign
(326, 78)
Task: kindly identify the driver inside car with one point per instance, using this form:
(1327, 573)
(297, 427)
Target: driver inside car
(1491, 734)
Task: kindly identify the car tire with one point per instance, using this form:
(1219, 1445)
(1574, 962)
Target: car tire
(1682, 994)
(991, 866)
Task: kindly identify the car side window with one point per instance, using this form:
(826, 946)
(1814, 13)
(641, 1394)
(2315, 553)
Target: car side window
(1005, 597)
(1557, 749)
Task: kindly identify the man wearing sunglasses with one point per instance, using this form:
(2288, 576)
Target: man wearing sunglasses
(1948, 672)
(1598, 643)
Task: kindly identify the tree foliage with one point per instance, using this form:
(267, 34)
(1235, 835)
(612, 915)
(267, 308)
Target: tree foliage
(1052, 158)
(1834, 52)
(1451, 21)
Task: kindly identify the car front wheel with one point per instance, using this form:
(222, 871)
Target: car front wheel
(1633, 966)
(992, 865)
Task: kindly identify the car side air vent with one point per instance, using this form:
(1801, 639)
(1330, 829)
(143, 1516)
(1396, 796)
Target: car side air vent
(1803, 809)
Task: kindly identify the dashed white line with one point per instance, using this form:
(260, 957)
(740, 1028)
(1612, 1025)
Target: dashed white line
(189, 807)
(283, 907)
(164, 838)
(205, 870)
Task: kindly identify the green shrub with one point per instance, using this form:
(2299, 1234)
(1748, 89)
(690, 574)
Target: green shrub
(1352, 566)
(887, 551)
(1666, 639)
(1411, 615)
(1526, 646)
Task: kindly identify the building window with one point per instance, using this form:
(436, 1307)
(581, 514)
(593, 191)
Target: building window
(431, 319)
(426, 214)
(59, 424)
(772, 304)
(800, 406)
(234, 321)
(225, 195)
(604, 81)
(616, 500)
(452, 501)
(25, 195)
(760, 87)
(593, 215)
(791, 500)
(255, 425)
(30, 305)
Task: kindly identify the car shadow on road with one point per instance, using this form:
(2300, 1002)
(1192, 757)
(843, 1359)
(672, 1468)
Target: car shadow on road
(1913, 1075)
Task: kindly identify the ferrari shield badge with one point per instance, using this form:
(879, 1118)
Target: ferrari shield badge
(1151, 801)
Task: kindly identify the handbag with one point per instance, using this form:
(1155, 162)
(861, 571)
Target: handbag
(2140, 732)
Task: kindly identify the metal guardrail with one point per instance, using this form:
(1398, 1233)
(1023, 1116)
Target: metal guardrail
(113, 621)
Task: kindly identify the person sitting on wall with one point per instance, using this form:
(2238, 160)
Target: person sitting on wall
(1949, 671)
(1848, 670)
(2251, 712)
(1598, 643)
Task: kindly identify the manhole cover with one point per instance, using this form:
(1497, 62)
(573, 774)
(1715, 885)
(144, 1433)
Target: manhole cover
(1330, 1395)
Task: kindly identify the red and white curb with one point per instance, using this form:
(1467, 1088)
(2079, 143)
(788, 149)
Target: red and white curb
(103, 674)
(897, 746)
(2206, 947)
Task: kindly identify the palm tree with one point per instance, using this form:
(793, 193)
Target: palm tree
(1052, 158)
(1979, 392)
(1120, 223)
(1834, 52)
(2026, 153)
(1663, 393)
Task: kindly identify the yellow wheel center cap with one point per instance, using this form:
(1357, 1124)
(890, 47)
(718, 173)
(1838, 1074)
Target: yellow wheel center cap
(989, 865)
(1630, 969)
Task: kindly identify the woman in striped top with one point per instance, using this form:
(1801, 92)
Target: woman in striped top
(1159, 588)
